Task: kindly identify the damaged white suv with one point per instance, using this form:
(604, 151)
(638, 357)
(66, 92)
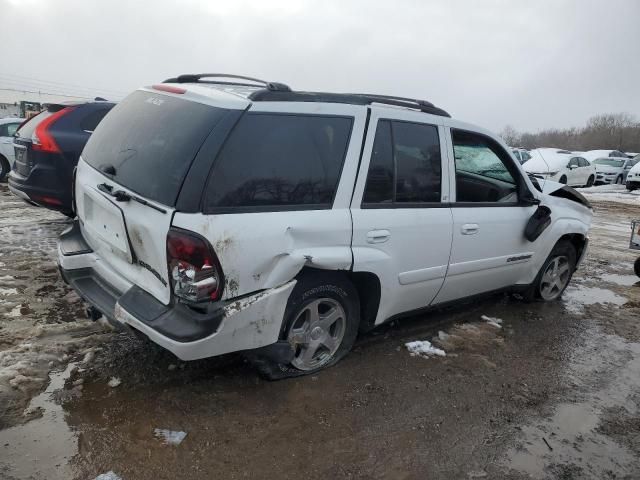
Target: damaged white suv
(233, 215)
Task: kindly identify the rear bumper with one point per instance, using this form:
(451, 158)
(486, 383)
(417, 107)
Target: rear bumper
(246, 323)
(36, 188)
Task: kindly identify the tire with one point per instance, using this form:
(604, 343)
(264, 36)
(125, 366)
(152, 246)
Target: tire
(619, 180)
(630, 188)
(565, 253)
(331, 295)
(563, 179)
(590, 181)
(4, 168)
(636, 267)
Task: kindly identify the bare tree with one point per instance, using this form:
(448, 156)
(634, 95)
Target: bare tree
(510, 136)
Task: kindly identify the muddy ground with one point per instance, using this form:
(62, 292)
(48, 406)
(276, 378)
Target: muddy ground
(552, 393)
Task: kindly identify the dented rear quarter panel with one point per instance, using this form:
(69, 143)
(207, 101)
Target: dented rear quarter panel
(267, 249)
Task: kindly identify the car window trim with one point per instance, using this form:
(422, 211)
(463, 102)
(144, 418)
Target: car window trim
(275, 208)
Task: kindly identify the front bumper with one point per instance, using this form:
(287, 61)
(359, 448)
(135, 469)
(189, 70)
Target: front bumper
(246, 323)
(605, 179)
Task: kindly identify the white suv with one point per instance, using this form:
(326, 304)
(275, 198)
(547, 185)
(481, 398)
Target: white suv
(218, 216)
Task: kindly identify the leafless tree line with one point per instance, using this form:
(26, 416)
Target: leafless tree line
(610, 131)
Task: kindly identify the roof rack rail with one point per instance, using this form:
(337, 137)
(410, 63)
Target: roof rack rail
(203, 78)
(351, 98)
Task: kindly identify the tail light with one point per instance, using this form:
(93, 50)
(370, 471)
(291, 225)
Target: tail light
(42, 139)
(194, 268)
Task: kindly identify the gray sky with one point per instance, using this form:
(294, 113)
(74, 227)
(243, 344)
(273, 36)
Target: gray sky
(531, 64)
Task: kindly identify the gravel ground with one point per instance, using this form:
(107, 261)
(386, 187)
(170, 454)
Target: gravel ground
(524, 390)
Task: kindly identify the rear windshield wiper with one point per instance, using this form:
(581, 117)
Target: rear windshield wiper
(122, 196)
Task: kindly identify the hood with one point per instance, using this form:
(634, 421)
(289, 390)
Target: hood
(546, 162)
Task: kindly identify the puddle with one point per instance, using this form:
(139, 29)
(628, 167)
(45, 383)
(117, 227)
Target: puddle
(569, 437)
(577, 297)
(42, 447)
(618, 279)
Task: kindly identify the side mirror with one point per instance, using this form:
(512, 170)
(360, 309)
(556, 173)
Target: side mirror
(571, 167)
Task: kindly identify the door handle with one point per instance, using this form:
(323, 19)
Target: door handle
(470, 228)
(378, 236)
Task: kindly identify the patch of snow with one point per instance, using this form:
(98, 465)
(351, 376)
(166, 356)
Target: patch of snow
(493, 321)
(169, 437)
(8, 291)
(114, 382)
(624, 280)
(577, 297)
(423, 348)
(110, 475)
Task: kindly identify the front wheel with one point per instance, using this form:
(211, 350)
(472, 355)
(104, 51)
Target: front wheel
(619, 180)
(563, 179)
(590, 181)
(555, 274)
(636, 266)
(320, 324)
(4, 168)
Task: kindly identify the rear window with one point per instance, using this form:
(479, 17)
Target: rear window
(29, 126)
(150, 140)
(280, 161)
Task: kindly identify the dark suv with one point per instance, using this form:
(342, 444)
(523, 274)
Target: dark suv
(47, 148)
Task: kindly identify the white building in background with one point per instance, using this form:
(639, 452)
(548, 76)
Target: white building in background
(10, 101)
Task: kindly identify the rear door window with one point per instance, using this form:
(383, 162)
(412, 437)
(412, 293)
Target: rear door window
(405, 166)
(279, 162)
(151, 140)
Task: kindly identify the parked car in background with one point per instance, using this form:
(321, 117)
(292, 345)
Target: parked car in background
(521, 154)
(8, 127)
(592, 155)
(612, 169)
(565, 168)
(214, 218)
(633, 176)
(47, 148)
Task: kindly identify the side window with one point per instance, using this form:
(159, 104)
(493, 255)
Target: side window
(525, 156)
(582, 162)
(3, 130)
(278, 160)
(12, 128)
(91, 121)
(405, 166)
(482, 172)
(573, 162)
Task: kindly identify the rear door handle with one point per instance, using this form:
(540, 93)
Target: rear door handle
(470, 228)
(378, 236)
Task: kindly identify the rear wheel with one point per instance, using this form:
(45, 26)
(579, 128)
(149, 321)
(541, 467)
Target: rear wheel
(555, 274)
(320, 324)
(619, 180)
(636, 266)
(4, 168)
(563, 179)
(590, 181)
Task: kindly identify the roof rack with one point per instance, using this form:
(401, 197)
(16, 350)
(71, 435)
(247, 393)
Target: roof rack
(350, 98)
(198, 78)
(279, 92)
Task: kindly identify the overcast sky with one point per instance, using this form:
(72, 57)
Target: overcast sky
(531, 64)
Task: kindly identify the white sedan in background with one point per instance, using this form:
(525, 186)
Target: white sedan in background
(568, 168)
(8, 127)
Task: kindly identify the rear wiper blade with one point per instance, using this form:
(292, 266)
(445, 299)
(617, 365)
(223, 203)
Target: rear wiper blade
(122, 196)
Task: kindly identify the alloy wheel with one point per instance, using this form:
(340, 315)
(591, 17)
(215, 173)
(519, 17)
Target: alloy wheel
(555, 278)
(317, 333)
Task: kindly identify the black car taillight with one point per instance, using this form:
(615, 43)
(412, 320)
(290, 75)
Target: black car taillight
(194, 268)
(42, 140)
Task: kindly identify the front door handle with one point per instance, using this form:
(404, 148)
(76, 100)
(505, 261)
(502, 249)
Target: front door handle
(470, 228)
(378, 236)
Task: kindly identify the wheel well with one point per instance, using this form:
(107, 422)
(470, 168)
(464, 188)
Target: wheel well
(577, 240)
(367, 285)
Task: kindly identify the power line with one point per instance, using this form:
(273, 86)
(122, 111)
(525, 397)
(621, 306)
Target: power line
(63, 84)
(65, 90)
(40, 92)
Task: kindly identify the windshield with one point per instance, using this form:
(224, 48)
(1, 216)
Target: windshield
(150, 140)
(608, 161)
